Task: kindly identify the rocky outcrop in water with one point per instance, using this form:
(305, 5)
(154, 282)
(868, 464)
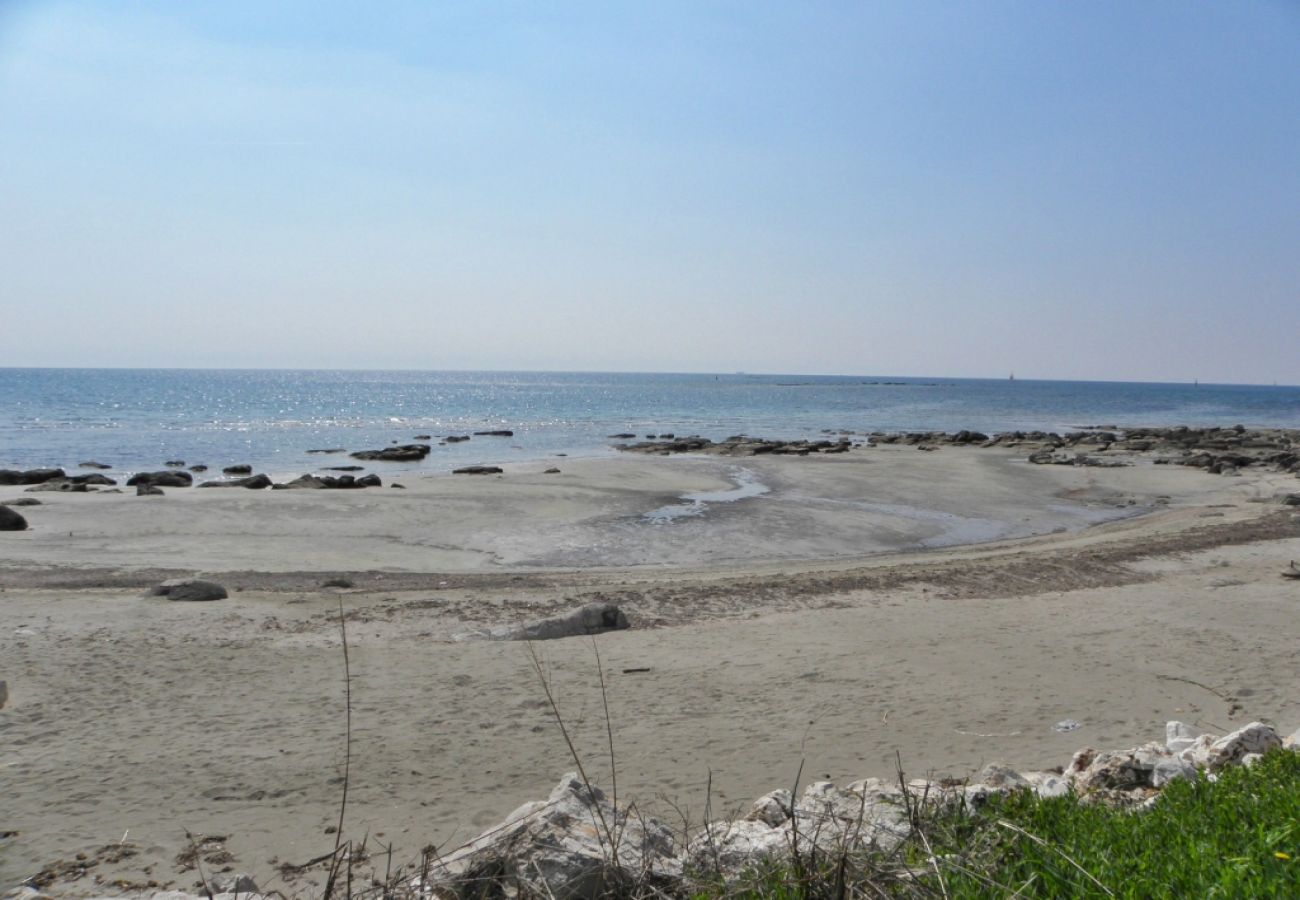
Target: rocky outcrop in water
(399, 453)
(738, 445)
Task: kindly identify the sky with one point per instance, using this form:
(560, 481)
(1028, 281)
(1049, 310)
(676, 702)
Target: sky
(1101, 190)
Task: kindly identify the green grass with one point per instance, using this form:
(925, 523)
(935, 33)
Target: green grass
(1237, 837)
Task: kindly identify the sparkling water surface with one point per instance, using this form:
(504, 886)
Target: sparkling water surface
(136, 419)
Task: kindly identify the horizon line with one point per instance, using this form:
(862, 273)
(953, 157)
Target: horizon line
(731, 374)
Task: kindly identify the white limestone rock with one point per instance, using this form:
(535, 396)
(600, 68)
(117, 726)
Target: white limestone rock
(1048, 784)
(1179, 736)
(771, 809)
(1230, 749)
(561, 848)
(729, 847)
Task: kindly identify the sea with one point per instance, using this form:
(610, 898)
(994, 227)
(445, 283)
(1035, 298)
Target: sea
(137, 419)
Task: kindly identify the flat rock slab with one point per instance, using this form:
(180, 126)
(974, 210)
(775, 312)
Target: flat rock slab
(478, 470)
(191, 590)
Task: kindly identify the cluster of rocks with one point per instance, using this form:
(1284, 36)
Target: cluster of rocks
(578, 844)
(52, 479)
(736, 445)
(1221, 451)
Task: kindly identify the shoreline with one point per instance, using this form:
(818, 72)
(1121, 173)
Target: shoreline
(133, 713)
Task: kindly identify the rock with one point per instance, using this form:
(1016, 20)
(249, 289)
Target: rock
(4, 693)
(148, 490)
(622, 436)
(594, 618)
(866, 813)
(1291, 500)
(561, 848)
(499, 433)
(455, 438)
(345, 468)
(1002, 778)
(330, 450)
(1179, 736)
(91, 464)
(175, 464)
(65, 485)
(729, 847)
(22, 501)
(399, 453)
(1116, 770)
(1048, 784)
(399, 486)
(1231, 748)
(11, 520)
(478, 470)
(161, 479)
(234, 883)
(551, 471)
(771, 809)
(252, 482)
(1292, 741)
(199, 468)
(322, 482)
(240, 469)
(191, 590)
(92, 478)
(30, 476)
(1170, 768)
(302, 482)
(424, 437)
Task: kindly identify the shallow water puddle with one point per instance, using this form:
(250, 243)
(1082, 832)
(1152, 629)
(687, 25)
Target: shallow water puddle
(695, 504)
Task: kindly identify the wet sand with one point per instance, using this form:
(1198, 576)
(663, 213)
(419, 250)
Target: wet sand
(835, 619)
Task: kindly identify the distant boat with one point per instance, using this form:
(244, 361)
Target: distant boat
(1013, 377)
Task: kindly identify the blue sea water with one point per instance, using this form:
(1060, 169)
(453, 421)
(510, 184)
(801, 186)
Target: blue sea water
(135, 419)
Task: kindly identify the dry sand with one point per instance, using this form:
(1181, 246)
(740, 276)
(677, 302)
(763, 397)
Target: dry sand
(838, 619)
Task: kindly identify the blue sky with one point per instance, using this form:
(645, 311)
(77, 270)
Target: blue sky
(1066, 190)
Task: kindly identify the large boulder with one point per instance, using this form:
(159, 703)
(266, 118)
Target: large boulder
(191, 590)
(575, 845)
(11, 520)
(593, 618)
(161, 479)
(30, 476)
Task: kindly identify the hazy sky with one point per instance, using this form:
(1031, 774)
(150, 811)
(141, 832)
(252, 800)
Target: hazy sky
(1066, 190)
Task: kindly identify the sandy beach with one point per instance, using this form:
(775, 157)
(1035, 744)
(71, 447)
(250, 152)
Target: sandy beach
(839, 613)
